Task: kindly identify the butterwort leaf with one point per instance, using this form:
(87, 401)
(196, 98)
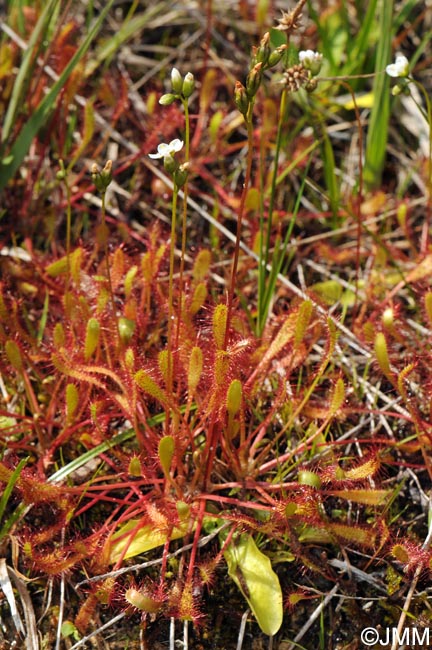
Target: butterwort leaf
(252, 572)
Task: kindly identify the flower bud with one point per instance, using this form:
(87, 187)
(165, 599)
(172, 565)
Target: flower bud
(188, 85)
(126, 328)
(388, 318)
(103, 178)
(311, 61)
(263, 52)
(96, 178)
(176, 81)
(167, 99)
(170, 164)
(181, 174)
(253, 80)
(311, 85)
(61, 174)
(276, 56)
(401, 88)
(240, 98)
(106, 173)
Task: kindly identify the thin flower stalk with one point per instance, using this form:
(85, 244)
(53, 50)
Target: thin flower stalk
(170, 369)
(62, 176)
(249, 126)
(265, 249)
(184, 215)
(102, 179)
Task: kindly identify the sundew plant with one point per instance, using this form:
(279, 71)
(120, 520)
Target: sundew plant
(215, 324)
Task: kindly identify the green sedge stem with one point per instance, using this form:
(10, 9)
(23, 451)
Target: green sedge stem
(68, 232)
(184, 218)
(428, 117)
(231, 291)
(265, 250)
(171, 287)
(107, 264)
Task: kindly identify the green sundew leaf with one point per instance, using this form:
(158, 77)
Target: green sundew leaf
(91, 338)
(150, 387)
(44, 110)
(368, 497)
(361, 536)
(126, 328)
(60, 266)
(72, 400)
(312, 535)
(7, 422)
(338, 396)
(303, 320)
(306, 477)
(252, 202)
(195, 369)
(128, 281)
(219, 325)
(252, 572)
(284, 336)
(6, 60)
(141, 538)
(13, 354)
(234, 397)
(329, 290)
(381, 353)
(198, 298)
(166, 452)
(69, 629)
(201, 265)
(221, 367)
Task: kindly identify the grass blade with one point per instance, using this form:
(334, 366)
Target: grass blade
(24, 74)
(378, 125)
(10, 165)
(6, 526)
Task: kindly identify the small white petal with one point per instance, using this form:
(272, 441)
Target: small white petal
(392, 70)
(164, 150)
(311, 60)
(306, 54)
(175, 145)
(400, 68)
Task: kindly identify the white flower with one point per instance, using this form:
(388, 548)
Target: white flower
(176, 80)
(165, 150)
(311, 60)
(400, 68)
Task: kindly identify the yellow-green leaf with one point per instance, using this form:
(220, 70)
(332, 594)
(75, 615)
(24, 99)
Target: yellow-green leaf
(219, 325)
(166, 453)
(137, 539)
(201, 265)
(252, 572)
(367, 497)
(195, 369)
(150, 387)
